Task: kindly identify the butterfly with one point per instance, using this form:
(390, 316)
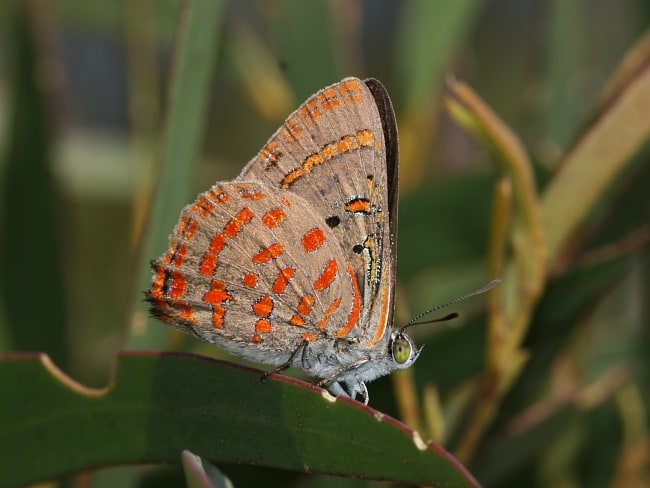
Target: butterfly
(292, 263)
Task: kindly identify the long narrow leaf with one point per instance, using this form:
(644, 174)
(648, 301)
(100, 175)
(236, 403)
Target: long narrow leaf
(195, 61)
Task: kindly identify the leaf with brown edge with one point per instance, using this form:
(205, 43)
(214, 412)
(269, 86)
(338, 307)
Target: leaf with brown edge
(161, 404)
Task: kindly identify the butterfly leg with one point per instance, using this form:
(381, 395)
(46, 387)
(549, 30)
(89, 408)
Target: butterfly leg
(342, 371)
(301, 348)
(335, 387)
(363, 390)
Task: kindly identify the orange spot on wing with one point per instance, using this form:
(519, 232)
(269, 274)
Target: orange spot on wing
(332, 308)
(313, 240)
(185, 312)
(235, 225)
(190, 232)
(203, 207)
(170, 255)
(306, 302)
(297, 320)
(274, 217)
(218, 196)
(217, 316)
(250, 280)
(309, 337)
(245, 215)
(292, 130)
(217, 244)
(327, 276)
(208, 264)
(352, 91)
(355, 313)
(269, 253)
(331, 104)
(257, 338)
(311, 111)
(329, 99)
(218, 293)
(347, 144)
(182, 225)
(291, 177)
(263, 326)
(263, 307)
(358, 205)
(270, 155)
(329, 151)
(158, 282)
(187, 227)
(383, 319)
(252, 195)
(210, 258)
(311, 161)
(283, 279)
(178, 285)
(365, 138)
(178, 257)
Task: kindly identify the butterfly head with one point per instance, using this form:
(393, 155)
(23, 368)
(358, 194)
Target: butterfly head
(403, 352)
(398, 352)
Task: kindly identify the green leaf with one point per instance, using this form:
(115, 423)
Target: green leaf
(445, 222)
(163, 403)
(511, 452)
(427, 36)
(300, 43)
(602, 153)
(194, 67)
(561, 312)
(430, 32)
(30, 212)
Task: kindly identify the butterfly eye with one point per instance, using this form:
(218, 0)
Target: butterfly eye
(401, 350)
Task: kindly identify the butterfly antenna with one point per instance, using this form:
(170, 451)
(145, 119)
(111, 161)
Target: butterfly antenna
(452, 315)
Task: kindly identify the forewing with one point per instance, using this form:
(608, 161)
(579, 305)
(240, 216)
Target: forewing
(339, 151)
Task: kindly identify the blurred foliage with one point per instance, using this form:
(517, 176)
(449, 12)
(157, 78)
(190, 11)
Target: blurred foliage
(525, 155)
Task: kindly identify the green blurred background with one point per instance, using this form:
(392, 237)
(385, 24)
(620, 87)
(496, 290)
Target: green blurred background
(82, 144)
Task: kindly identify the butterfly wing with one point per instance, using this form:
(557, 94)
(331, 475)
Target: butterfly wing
(339, 151)
(300, 246)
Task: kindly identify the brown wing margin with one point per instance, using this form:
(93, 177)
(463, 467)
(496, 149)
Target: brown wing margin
(389, 125)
